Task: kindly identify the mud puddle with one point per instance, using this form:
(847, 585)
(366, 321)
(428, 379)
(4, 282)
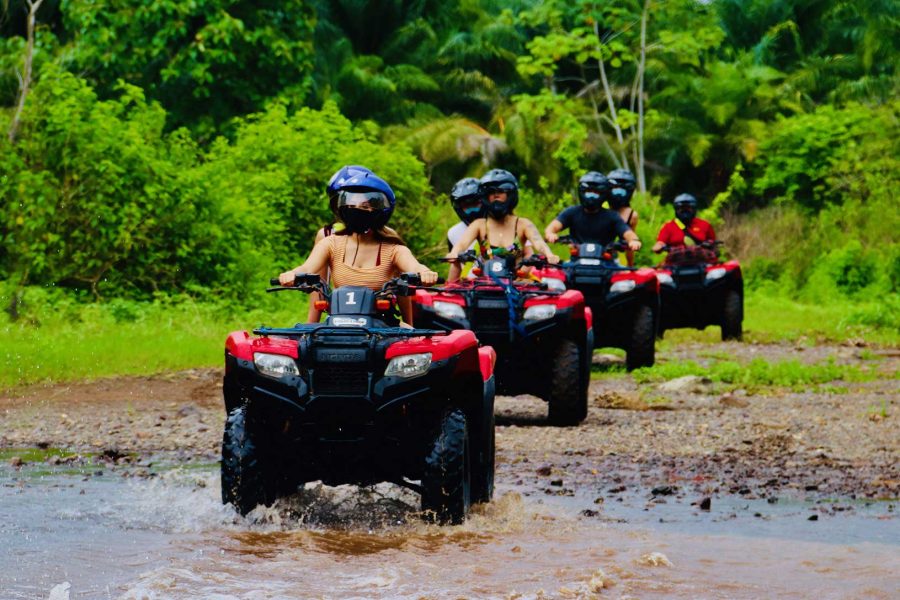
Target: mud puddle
(167, 536)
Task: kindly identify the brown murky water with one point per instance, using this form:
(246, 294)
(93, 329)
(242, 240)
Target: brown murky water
(87, 536)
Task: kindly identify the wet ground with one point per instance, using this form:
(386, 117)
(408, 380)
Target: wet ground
(712, 494)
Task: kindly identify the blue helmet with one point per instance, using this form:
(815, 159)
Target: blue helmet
(365, 202)
(337, 181)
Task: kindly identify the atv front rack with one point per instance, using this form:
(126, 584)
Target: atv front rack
(316, 330)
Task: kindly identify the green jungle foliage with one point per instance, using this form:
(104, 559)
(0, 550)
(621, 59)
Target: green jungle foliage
(181, 150)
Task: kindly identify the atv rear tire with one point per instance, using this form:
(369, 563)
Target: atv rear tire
(568, 394)
(642, 345)
(244, 484)
(446, 479)
(732, 316)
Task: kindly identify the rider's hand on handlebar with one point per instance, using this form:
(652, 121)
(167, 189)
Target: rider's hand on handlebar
(634, 245)
(553, 259)
(428, 277)
(287, 278)
(552, 237)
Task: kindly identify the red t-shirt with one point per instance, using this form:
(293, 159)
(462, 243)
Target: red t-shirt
(672, 235)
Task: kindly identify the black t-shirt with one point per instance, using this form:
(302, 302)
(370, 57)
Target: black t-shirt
(601, 227)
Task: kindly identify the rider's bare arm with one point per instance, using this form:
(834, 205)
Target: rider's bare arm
(313, 315)
(317, 262)
(473, 232)
(634, 243)
(552, 230)
(531, 233)
(405, 262)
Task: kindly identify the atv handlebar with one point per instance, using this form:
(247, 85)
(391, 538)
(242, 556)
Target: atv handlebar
(463, 257)
(300, 279)
(615, 246)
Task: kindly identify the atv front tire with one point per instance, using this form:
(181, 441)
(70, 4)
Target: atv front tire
(244, 484)
(732, 316)
(568, 394)
(483, 463)
(641, 347)
(446, 480)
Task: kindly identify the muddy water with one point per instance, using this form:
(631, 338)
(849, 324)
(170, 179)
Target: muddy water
(90, 535)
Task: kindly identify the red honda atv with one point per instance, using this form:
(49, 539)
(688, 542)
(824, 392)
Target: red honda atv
(356, 400)
(697, 290)
(543, 338)
(624, 301)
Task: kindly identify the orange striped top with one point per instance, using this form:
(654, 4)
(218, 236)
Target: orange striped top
(371, 277)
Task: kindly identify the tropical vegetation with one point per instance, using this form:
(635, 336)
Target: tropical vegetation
(162, 150)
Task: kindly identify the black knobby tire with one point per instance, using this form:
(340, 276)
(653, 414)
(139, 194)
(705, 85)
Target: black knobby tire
(244, 484)
(733, 316)
(484, 460)
(642, 345)
(588, 361)
(446, 478)
(568, 395)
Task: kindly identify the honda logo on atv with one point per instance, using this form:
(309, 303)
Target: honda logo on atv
(344, 355)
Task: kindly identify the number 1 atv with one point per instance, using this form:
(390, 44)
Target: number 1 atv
(543, 338)
(698, 290)
(624, 301)
(357, 401)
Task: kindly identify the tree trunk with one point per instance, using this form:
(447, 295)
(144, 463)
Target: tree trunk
(641, 177)
(25, 82)
(609, 97)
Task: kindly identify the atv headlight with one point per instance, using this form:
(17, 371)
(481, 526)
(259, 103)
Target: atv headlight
(275, 365)
(552, 284)
(408, 365)
(539, 312)
(665, 279)
(717, 273)
(626, 285)
(449, 310)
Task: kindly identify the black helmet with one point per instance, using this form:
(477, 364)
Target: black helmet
(466, 199)
(593, 189)
(622, 184)
(498, 180)
(685, 207)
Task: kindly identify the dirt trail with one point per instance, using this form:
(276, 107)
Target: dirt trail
(695, 443)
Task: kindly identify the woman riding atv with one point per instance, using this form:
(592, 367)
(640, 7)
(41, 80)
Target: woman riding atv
(332, 190)
(365, 252)
(500, 232)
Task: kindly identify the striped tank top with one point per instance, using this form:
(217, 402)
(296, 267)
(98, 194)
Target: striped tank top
(371, 277)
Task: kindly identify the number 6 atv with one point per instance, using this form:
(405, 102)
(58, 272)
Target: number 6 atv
(355, 400)
(543, 338)
(698, 290)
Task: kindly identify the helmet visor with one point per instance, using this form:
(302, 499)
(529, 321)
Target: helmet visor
(470, 204)
(363, 200)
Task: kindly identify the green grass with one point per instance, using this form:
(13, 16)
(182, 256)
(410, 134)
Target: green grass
(65, 341)
(768, 318)
(98, 341)
(759, 373)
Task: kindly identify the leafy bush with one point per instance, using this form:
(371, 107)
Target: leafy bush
(829, 156)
